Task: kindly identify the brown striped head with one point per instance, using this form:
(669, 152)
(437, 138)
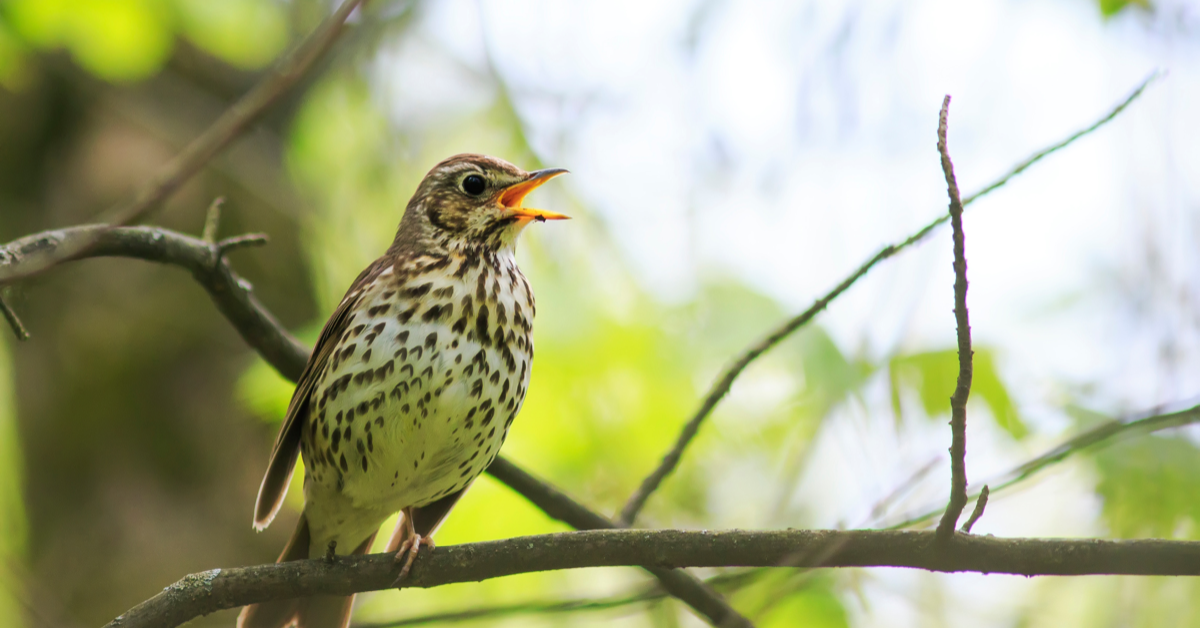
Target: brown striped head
(473, 200)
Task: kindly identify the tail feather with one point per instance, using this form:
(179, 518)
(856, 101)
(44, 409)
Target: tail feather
(278, 613)
(323, 611)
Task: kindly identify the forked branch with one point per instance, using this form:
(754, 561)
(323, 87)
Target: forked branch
(962, 389)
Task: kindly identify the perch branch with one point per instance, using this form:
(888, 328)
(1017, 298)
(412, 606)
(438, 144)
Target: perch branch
(230, 125)
(219, 589)
(962, 389)
(723, 384)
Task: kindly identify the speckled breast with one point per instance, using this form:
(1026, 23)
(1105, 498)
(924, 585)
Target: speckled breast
(420, 390)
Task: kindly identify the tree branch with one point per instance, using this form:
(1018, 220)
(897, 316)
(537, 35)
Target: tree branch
(230, 125)
(220, 589)
(723, 384)
(234, 297)
(962, 389)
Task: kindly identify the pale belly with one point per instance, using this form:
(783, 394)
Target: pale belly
(413, 406)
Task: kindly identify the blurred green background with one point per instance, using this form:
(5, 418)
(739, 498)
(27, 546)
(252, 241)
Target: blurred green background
(135, 425)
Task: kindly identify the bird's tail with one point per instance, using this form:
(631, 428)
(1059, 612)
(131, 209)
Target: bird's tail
(322, 611)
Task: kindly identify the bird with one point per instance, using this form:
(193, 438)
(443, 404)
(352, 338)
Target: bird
(414, 381)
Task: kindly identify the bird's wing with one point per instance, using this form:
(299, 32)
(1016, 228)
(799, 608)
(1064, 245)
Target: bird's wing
(287, 444)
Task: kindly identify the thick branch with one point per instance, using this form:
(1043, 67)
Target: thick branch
(962, 389)
(721, 387)
(232, 123)
(215, 590)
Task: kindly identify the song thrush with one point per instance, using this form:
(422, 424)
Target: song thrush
(415, 379)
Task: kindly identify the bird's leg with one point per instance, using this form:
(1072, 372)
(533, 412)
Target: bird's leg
(410, 547)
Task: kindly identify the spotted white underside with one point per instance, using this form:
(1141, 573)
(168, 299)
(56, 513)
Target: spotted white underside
(414, 404)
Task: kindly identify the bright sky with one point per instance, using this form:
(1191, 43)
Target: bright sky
(786, 142)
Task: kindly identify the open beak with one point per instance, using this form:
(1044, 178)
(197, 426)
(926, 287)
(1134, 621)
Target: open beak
(511, 197)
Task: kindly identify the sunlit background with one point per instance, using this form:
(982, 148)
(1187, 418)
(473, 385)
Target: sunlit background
(730, 162)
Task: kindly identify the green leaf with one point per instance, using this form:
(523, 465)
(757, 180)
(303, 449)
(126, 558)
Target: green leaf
(934, 374)
(1149, 486)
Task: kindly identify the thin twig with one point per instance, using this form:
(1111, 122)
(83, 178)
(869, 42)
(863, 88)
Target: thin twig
(14, 321)
(232, 123)
(721, 387)
(241, 242)
(212, 220)
(962, 389)
(980, 504)
(1105, 434)
(901, 489)
(215, 590)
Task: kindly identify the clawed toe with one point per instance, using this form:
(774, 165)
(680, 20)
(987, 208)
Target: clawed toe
(408, 553)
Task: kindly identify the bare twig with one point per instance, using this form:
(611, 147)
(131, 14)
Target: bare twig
(980, 504)
(232, 123)
(215, 590)
(1106, 434)
(241, 242)
(721, 387)
(962, 389)
(1045, 152)
(14, 321)
(901, 489)
(212, 220)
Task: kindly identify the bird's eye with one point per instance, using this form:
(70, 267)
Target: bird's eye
(474, 185)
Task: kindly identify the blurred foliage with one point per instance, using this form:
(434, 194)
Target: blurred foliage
(1149, 487)
(129, 40)
(792, 597)
(13, 525)
(933, 375)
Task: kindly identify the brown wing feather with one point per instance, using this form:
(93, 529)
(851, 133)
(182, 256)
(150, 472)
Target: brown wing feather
(287, 444)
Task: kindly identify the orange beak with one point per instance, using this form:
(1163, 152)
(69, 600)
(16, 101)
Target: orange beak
(511, 197)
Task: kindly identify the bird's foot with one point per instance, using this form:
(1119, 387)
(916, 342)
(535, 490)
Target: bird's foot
(408, 553)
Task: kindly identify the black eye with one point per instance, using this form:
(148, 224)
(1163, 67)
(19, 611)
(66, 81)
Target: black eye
(474, 185)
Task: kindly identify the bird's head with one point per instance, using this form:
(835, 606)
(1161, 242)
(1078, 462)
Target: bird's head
(473, 200)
